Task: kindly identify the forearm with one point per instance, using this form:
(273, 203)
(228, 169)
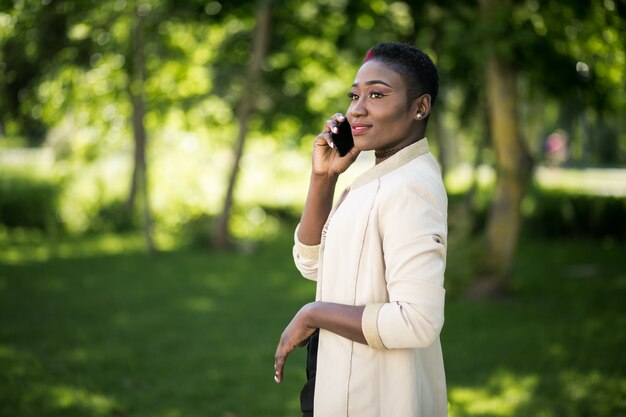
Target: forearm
(343, 320)
(317, 208)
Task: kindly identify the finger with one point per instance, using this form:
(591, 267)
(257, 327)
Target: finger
(333, 126)
(279, 360)
(328, 125)
(339, 117)
(277, 378)
(279, 364)
(333, 123)
(327, 137)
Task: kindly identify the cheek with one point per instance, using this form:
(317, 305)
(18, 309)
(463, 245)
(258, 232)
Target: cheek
(393, 115)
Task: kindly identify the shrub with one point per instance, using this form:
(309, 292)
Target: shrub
(29, 201)
(563, 214)
(556, 213)
(113, 216)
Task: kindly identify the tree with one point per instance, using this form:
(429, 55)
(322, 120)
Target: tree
(221, 234)
(536, 41)
(32, 34)
(136, 92)
(528, 50)
(513, 163)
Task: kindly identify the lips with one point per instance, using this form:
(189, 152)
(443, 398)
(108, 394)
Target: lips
(360, 128)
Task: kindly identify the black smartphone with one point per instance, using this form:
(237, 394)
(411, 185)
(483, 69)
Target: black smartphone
(343, 140)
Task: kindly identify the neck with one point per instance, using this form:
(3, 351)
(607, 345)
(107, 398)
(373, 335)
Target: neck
(386, 153)
(382, 155)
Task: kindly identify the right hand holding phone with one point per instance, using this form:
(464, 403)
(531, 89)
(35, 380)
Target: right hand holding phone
(326, 158)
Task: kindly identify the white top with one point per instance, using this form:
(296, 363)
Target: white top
(384, 246)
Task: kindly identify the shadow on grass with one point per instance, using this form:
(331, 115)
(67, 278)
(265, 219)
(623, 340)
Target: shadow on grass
(193, 333)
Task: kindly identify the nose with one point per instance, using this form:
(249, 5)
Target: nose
(357, 108)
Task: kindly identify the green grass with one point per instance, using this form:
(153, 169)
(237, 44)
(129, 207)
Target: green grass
(93, 327)
(555, 349)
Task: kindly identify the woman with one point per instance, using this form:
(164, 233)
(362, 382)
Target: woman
(378, 256)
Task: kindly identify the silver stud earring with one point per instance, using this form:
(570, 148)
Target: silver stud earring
(419, 115)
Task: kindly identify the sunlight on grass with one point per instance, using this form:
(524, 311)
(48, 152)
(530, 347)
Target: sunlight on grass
(78, 355)
(31, 162)
(593, 390)
(16, 364)
(22, 248)
(64, 397)
(592, 181)
(17, 255)
(200, 304)
(589, 181)
(7, 352)
(502, 395)
(172, 413)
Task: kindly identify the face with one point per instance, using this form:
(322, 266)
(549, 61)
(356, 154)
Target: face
(378, 111)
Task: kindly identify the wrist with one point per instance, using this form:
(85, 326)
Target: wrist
(323, 184)
(308, 315)
(324, 178)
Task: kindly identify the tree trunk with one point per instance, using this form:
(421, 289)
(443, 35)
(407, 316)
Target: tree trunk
(139, 183)
(513, 165)
(221, 233)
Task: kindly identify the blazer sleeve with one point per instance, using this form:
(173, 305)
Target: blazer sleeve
(306, 257)
(413, 229)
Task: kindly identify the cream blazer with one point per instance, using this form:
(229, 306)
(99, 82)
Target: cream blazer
(384, 247)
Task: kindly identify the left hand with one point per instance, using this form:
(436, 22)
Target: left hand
(296, 334)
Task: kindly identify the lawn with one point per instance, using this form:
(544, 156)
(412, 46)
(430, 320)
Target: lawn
(93, 327)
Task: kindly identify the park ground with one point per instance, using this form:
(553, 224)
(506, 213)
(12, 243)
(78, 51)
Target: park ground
(91, 326)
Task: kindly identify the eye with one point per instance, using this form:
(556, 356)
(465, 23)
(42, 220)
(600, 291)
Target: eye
(376, 94)
(352, 96)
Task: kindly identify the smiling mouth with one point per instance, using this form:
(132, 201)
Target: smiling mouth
(358, 129)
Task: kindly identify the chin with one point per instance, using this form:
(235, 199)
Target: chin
(363, 147)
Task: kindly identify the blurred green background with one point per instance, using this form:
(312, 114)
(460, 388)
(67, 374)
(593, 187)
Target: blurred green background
(154, 159)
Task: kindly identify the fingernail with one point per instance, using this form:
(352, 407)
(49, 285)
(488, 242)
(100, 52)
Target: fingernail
(276, 379)
(332, 145)
(335, 130)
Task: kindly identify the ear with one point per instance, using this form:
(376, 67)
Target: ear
(422, 106)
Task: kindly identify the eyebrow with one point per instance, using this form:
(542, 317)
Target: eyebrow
(372, 82)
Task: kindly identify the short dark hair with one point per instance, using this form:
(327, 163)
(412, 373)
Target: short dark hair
(414, 66)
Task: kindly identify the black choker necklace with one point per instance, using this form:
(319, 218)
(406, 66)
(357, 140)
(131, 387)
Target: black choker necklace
(387, 152)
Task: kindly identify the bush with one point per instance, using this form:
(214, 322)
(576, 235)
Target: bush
(29, 201)
(113, 216)
(197, 232)
(555, 213)
(563, 214)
